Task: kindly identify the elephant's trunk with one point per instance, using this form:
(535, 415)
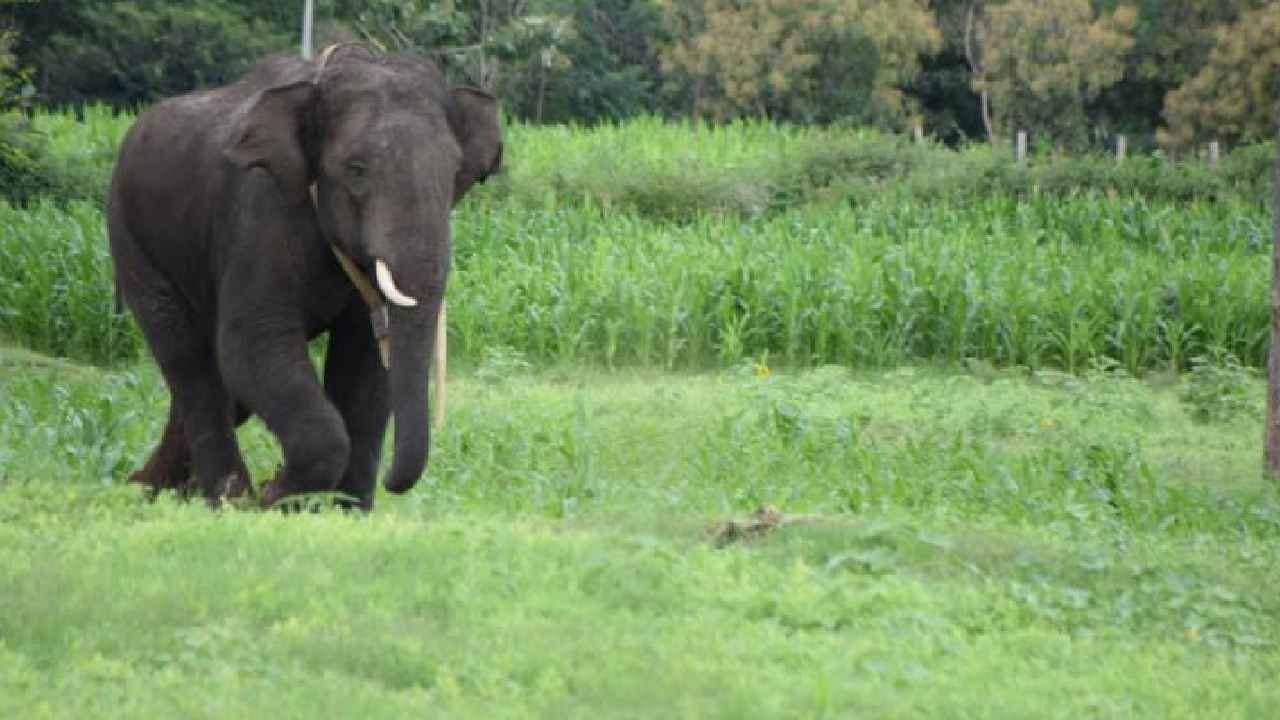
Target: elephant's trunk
(413, 333)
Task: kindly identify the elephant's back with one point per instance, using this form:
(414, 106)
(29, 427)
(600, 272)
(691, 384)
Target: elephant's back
(169, 185)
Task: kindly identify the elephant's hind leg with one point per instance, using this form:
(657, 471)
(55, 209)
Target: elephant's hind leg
(202, 411)
(266, 365)
(169, 467)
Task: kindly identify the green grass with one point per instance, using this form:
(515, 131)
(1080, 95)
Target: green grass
(799, 245)
(1040, 282)
(1009, 500)
(678, 171)
(991, 544)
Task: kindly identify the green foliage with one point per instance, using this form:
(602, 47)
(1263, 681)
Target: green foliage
(1236, 95)
(823, 61)
(611, 70)
(15, 85)
(57, 289)
(942, 529)
(132, 53)
(23, 172)
(55, 156)
(1219, 389)
(1038, 63)
(813, 246)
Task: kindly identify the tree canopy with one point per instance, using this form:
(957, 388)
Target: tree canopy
(1072, 71)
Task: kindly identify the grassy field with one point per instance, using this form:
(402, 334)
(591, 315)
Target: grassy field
(1042, 282)
(795, 246)
(981, 543)
(782, 423)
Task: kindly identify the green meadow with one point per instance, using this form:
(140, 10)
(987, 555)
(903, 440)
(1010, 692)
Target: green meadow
(766, 429)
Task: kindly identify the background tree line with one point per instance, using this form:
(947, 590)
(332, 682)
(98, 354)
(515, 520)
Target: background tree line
(1073, 72)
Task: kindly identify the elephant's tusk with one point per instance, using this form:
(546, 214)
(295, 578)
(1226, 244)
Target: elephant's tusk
(388, 286)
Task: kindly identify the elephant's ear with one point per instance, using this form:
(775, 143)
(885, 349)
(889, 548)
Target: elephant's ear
(272, 136)
(480, 135)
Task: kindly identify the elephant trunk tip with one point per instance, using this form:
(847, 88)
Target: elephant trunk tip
(404, 475)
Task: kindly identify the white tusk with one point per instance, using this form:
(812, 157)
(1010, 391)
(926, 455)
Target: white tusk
(388, 286)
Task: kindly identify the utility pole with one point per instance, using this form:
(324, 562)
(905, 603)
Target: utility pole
(1273, 361)
(308, 19)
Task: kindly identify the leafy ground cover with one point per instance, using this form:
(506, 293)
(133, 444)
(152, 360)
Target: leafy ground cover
(990, 543)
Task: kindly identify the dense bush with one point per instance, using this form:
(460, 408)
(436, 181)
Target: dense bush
(679, 171)
(53, 156)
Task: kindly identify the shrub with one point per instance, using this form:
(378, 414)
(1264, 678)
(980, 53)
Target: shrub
(1218, 388)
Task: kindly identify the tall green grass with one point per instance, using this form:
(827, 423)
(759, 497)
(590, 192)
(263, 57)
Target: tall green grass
(565, 555)
(692, 246)
(1040, 282)
(1043, 282)
(56, 284)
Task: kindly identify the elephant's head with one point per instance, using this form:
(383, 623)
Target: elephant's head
(389, 148)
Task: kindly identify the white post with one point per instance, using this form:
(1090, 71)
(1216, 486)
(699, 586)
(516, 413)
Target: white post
(919, 133)
(1122, 147)
(1215, 153)
(308, 18)
(1022, 146)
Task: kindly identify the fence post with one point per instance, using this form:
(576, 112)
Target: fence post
(1122, 147)
(919, 132)
(1021, 153)
(1215, 153)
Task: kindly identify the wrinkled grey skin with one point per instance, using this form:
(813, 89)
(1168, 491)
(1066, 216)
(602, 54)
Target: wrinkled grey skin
(224, 259)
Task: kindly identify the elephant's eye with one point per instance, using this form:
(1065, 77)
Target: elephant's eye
(357, 169)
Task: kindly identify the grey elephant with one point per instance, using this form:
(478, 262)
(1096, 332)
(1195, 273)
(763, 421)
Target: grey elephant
(232, 215)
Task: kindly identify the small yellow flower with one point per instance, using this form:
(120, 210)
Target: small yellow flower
(762, 371)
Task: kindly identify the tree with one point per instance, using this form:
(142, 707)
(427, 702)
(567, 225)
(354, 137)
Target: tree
(511, 47)
(821, 60)
(612, 68)
(942, 89)
(128, 53)
(1172, 41)
(14, 80)
(1234, 96)
(1037, 63)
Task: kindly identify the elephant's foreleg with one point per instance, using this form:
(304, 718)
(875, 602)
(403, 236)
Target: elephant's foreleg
(356, 382)
(264, 361)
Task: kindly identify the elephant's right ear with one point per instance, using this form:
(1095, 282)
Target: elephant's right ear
(273, 135)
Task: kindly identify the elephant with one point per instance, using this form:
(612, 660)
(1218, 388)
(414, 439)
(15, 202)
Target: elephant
(308, 197)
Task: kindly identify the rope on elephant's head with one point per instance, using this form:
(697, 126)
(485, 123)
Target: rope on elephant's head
(322, 61)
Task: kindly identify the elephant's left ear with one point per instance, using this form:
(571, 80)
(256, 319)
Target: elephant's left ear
(479, 132)
(272, 136)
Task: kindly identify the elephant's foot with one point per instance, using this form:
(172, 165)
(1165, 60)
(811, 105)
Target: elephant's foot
(276, 490)
(157, 477)
(278, 494)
